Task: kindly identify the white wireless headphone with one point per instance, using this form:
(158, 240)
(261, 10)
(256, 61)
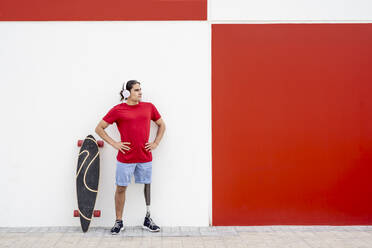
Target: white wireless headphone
(126, 92)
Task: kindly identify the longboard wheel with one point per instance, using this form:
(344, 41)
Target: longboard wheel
(76, 213)
(97, 213)
(100, 143)
(80, 143)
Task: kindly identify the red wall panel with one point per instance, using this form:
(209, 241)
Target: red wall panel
(99, 10)
(292, 124)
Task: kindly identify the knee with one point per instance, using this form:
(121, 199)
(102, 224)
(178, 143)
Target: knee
(121, 189)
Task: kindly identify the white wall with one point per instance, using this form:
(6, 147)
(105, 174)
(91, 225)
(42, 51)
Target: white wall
(58, 79)
(274, 10)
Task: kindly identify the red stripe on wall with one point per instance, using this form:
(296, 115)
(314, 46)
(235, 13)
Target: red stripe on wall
(96, 10)
(292, 124)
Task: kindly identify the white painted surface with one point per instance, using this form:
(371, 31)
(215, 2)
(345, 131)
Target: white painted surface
(289, 10)
(58, 79)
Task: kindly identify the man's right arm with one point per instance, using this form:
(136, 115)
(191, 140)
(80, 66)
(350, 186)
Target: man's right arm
(100, 130)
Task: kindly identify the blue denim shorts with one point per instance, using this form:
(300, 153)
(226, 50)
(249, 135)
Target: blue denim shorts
(124, 171)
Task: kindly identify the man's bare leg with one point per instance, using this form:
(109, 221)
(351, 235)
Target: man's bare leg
(119, 201)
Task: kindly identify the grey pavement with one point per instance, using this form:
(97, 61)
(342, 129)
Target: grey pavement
(203, 237)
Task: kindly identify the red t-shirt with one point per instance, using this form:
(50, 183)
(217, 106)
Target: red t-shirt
(133, 122)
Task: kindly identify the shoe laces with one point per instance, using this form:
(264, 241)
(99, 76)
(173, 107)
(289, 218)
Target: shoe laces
(151, 222)
(117, 225)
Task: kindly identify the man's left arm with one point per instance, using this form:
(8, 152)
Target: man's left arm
(159, 135)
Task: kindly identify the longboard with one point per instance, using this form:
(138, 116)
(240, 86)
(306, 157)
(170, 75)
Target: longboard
(87, 180)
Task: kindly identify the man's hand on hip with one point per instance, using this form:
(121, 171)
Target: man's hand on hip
(151, 146)
(121, 146)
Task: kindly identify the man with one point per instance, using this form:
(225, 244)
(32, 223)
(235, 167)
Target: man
(134, 155)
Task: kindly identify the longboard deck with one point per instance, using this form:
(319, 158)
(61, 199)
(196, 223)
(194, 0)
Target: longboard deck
(87, 180)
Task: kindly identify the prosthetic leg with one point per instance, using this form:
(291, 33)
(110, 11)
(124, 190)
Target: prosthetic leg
(147, 198)
(149, 223)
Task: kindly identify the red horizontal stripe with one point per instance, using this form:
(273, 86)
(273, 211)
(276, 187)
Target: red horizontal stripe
(95, 10)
